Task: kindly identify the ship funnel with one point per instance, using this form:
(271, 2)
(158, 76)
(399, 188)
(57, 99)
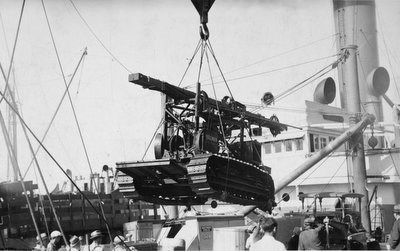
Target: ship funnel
(378, 81)
(325, 91)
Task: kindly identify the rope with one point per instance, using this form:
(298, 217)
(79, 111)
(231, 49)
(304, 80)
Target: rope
(73, 111)
(13, 52)
(98, 39)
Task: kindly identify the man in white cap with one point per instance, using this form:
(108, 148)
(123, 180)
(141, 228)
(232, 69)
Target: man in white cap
(394, 240)
(96, 238)
(55, 241)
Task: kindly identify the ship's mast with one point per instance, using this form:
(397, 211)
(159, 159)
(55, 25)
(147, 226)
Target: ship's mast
(361, 80)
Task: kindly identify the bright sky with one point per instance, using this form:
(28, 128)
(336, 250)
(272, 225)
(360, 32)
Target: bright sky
(252, 40)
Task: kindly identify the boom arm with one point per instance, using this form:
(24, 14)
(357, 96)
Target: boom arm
(332, 146)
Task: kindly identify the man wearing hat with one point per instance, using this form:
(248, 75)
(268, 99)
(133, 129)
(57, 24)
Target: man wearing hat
(118, 245)
(75, 243)
(309, 238)
(96, 238)
(45, 241)
(55, 241)
(394, 240)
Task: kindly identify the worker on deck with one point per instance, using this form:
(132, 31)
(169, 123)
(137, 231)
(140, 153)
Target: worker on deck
(293, 243)
(45, 241)
(309, 238)
(55, 241)
(96, 237)
(75, 243)
(394, 241)
(118, 243)
(268, 242)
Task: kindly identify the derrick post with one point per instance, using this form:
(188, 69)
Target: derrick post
(350, 81)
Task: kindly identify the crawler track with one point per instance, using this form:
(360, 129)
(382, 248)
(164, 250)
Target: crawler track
(192, 181)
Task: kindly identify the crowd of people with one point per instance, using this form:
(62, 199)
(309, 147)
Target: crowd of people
(56, 243)
(262, 236)
(308, 237)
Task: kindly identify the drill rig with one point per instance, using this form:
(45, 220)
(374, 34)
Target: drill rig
(205, 150)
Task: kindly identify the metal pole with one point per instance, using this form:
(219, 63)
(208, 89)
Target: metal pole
(350, 81)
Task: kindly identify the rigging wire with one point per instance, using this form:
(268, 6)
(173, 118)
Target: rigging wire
(57, 109)
(387, 54)
(292, 89)
(41, 204)
(97, 38)
(54, 160)
(278, 55)
(270, 71)
(14, 47)
(73, 111)
(35, 159)
(11, 152)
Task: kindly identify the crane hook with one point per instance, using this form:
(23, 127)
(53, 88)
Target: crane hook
(204, 32)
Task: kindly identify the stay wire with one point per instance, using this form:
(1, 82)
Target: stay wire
(58, 108)
(53, 159)
(332, 66)
(273, 70)
(387, 53)
(284, 95)
(14, 47)
(280, 54)
(98, 39)
(191, 60)
(73, 111)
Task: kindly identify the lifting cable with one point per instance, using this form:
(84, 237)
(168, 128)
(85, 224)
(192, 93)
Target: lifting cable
(199, 44)
(54, 160)
(75, 116)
